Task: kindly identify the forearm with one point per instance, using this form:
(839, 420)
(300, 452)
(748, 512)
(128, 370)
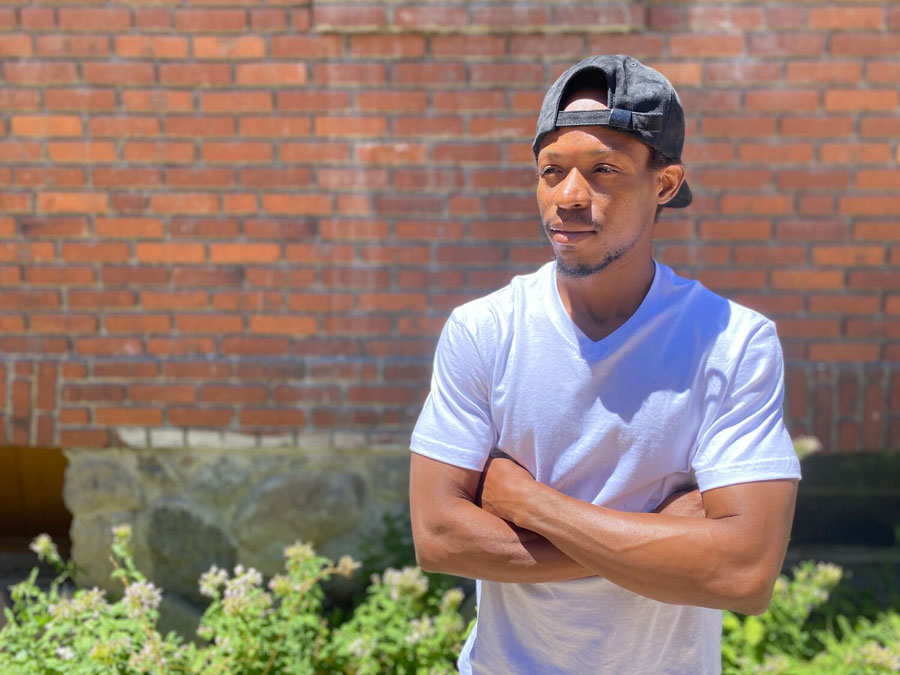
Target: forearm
(470, 542)
(694, 561)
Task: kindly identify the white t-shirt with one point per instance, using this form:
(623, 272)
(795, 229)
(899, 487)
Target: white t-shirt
(688, 389)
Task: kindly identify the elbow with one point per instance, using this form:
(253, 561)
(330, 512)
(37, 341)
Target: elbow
(753, 593)
(431, 556)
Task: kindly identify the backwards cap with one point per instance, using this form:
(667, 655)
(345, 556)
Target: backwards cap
(642, 103)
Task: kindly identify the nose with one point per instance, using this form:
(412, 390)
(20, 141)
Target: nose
(572, 193)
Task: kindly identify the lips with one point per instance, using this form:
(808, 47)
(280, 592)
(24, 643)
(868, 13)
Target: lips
(571, 236)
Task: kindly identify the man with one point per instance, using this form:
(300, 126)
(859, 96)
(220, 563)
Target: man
(580, 397)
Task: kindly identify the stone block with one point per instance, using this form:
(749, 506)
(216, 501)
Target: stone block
(101, 483)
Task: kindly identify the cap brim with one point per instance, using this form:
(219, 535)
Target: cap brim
(681, 199)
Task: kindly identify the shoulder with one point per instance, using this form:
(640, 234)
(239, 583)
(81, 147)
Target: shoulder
(729, 327)
(492, 315)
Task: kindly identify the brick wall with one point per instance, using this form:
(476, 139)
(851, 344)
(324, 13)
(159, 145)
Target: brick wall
(253, 217)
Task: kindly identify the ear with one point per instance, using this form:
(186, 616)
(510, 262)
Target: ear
(670, 179)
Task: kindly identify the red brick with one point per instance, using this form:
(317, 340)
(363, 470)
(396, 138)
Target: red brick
(200, 126)
(236, 102)
(62, 323)
(883, 72)
(36, 17)
(880, 126)
(814, 178)
(92, 20)
(124, 126)
(313, 100)
(148, 417)
(757, 204)
(137, 323)
(163, 152)
(779, 153)
(506, 74)
(89, 438)
(236, 152)
(158, 100)
(350, 126)
(151, 47)
(843, 304)
(233, 394)
(825, 72)
(82, 151)
(878, 179)
(387, 46)
(877, 230)
(19, 99)
(153, 18)
(62, 202)
(843, 352)
(280, 126)
(195, 74)
(812, 279)
(860, 99)
(724, 19)
(344, 16)
(450, 125)
(297, 203)
(706, 45)
(869, 205)
(430, 74)
(470, 46)
(283, 324)
(742, 72)
(808, 328)
(132, 275)
(827, 127)
(771, 255)
(507, 16)
(431, 16)
(874, 279)
(848, 255)
(348, 73)
(73, 45)
(229, 47)
(79, 99)
(846, 18)
(273, 417)
(197, 202)
(261, 74)
(40, 72)
(730, 126)
(101, 299)
(466, 153)
(306, 46)
(225, 20)
(405, 101)
(180, 346)
(107, 346)
(170, 252)
(785, 44)
(854, 153)
(782, 99)
(93, 392)
(735, 229)
(200, 417)
(866, 44)
(50, 275)
(95, 252)
(46, 125)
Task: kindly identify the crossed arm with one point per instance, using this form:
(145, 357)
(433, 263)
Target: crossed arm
(526, 532)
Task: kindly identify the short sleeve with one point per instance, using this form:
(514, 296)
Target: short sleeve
(746, 439)
(455, 424)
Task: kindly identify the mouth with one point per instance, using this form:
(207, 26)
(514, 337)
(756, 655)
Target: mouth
(570, 236)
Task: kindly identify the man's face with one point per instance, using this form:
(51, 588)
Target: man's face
(597, 197)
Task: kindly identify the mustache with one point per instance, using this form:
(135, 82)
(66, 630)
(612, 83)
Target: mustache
(559, 224)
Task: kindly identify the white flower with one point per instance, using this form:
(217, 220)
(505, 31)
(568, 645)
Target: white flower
(451, 600)
(347, 566)
(420, 629)
(140, 597)
(299, 553)
(410, 581)
(44, 547)
(92, 600)
(239, 590)
(64, 653)
(211, 580)
(121, 532)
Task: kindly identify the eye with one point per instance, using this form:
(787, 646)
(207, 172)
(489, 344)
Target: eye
(604, 168)
(549, 170)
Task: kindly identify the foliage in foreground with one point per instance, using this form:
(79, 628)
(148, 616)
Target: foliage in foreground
(400, 627)
(403, 625)
(801, 634)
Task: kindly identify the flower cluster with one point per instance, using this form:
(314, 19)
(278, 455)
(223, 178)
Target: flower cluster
(408, 582)
(211, 581)
(141, 597)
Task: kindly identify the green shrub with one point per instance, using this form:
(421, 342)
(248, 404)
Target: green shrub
(401, 627)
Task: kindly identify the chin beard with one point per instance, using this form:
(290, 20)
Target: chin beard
(586, 269)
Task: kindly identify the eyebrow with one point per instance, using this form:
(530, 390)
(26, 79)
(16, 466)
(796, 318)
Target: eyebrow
(555, 156)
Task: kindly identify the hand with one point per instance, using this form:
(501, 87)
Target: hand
(504, 488)
(683, 503)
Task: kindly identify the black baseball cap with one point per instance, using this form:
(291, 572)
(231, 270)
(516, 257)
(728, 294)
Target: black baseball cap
(642, 103)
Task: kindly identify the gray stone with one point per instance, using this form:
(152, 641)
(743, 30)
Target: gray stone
(310, 507)
(183, 545)
(179, 615)
(91, 538)
(220, 481)
(203, 438)
(100, 484)
(149, 466)
(167, 438)
(389, 477)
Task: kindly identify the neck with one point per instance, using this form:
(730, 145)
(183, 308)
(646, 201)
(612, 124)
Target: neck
(603, 301)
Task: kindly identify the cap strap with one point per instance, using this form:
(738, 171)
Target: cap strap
(617, 117)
